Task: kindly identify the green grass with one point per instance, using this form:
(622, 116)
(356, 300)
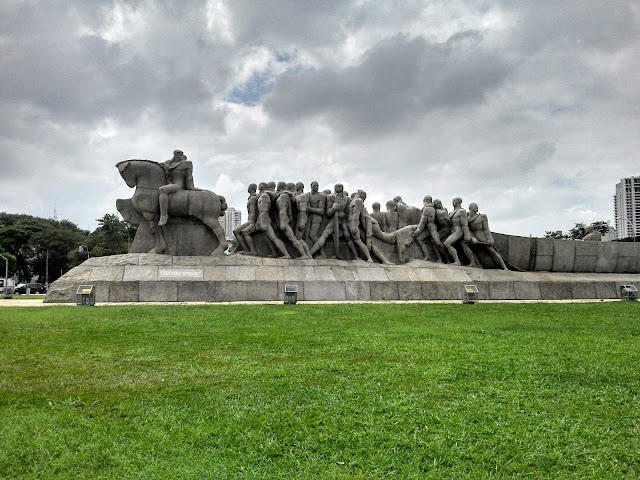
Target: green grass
(321, 391)
(25, 297)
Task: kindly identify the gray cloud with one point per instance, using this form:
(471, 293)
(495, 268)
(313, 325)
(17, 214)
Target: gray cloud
(528, 108)
(398, 81)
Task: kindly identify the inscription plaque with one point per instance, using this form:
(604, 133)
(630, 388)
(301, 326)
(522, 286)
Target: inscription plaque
(175, 273)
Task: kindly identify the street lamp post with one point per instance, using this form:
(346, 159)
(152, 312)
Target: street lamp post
(82, 248)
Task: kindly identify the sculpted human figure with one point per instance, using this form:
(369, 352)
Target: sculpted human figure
(358, 224)
(285, 213)
(302, 210)
(244, 231)
(459, 231)
(379, 216)
(427, 229)
(391, 216)
(179, 174)
(372, 229)
(481, 235)
(263, 223)
(316, 209)
(336, 204)
(592, 234)
(443, 222)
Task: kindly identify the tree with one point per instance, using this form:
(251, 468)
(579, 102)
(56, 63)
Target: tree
(555, 235)
(55, 242)
(111, 237)
(578, 231)
(601, 226)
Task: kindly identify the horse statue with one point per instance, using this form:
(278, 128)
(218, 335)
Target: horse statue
(147, 177)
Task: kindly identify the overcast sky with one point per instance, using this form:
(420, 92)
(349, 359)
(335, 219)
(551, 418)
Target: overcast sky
(529, 108)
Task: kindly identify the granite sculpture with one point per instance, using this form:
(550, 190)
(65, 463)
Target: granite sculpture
(164, 192)
(291, 223)
(592, 234)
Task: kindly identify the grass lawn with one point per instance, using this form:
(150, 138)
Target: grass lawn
(321, 391)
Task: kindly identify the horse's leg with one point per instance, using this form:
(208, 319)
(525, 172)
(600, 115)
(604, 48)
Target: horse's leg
(218, 231)
(161, 246)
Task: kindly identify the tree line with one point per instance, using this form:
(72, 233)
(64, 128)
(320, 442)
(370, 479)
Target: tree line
(35, 245)
(579, 231)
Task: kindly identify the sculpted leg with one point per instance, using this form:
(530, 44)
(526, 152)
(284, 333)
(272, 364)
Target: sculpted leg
(215, 227)
(278, 243)
(161, 246)
(163, 198)
(469, 254)
(448, 244)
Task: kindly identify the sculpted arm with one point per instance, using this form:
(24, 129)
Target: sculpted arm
(464, 223)
(485, 228)
(424, 221)
(188, 177)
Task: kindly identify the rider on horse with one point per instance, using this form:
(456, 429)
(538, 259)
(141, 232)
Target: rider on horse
(179, 174)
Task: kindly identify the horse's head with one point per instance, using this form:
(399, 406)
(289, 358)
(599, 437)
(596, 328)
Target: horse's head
(141, 173)
(127, 174)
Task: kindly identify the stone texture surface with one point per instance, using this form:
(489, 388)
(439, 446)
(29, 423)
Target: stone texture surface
(564, 254)
(158, 291)
(133, 278)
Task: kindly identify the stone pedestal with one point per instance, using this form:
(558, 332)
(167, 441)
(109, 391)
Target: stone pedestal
(183, 236)
(148, 278)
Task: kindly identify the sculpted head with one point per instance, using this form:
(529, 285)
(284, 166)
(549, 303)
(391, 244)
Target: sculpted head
(281, 186)
(299, 187)
(326, 191)
(376, 207)
(339, 188)
(271, 186)
(437, 203)
(262, 186)
(252, 188)
(473, 207)
(427, 199)
(314, 186)
(457, 202)
(397, 199)
(392, 206)
(179, 155)
(362, 194)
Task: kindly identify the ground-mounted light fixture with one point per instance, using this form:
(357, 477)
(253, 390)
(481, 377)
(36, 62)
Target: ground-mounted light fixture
(469, 294)
(290, 294)
(86, 295)
(628, 292)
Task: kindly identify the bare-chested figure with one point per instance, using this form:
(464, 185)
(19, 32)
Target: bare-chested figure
(427, 230)
(481, 235)
(179, 174)
(372, 229)
(244, 231)
(392, 218)
(358, 224)
(302, 210)
(379, 216)
(443, 222)
(285, 213)
(459, 231)
(336, 204)
(316, 211)
(263, 224)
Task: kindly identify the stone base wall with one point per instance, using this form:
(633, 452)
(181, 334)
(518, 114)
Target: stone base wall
(548, 255)
(148, 278)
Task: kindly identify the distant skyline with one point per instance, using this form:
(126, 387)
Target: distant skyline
(530, 109)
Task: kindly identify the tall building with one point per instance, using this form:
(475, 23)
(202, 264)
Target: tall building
(231, 220)
(626, 206)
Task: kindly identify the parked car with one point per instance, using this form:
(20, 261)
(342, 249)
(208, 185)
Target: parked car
(33, 288)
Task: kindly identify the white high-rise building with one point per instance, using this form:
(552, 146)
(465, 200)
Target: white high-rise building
(626, 206)
(231, 220)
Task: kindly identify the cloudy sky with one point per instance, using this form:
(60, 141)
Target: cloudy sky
(530, 108)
